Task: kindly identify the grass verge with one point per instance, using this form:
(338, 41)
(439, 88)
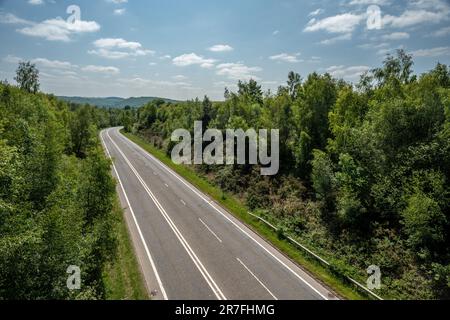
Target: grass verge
(122, 277)
(239, 210)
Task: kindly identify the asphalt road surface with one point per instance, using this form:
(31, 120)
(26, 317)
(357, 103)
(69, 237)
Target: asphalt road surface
(189, 248)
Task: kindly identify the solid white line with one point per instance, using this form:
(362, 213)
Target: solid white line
(147, 251)
(254, 276)
(224, 215)
(209, 229)
(210, 281)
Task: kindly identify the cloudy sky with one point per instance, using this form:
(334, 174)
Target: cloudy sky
(183, 49)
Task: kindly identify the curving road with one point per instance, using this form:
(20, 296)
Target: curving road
(189, 248)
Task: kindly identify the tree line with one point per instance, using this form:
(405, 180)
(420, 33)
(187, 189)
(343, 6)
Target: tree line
(56, 193)
(364, 169)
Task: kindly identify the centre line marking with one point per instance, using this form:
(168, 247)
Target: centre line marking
(209, 229)
(260, 282)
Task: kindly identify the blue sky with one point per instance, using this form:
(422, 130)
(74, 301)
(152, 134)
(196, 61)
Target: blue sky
(183, 49)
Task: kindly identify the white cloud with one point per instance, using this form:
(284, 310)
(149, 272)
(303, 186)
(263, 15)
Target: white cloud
(136, 82)
(109, 54)
(441, 32)
(341, 23)
(221, 48)
(117, 1)
(42, 63)
(179, 77)
(433, 52)
(416, 12)
(413, 17)
(346, 36)
(385, 52)
(314, 59)
(118, 48)
(101, 69)
(61, 76)
(53, 64)
(374, 45)
(12, 59)
(351, 73)
(437, 5)
(193, 59)
(369, 2)
(63, 70)
(116, 43)
(285, 57)
(36, 2)
(224, 84)
(119, 12)
(315, 13)
(58, 29)
(419, 12)
(51, 29)
(275, 32)
(395, 36)
(237, 71)
(9, 18)
(68, 73)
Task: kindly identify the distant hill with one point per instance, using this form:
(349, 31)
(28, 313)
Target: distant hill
(113, 102)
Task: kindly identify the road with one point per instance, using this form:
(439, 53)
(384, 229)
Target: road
(189, 248)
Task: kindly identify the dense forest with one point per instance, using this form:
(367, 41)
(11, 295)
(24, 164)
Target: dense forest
(364, 169)
(56, 193)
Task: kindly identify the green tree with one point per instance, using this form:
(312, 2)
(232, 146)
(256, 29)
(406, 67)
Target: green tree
(442, 74)
(250, 91)
(207, 112)
(423, 222)
(294, 84)
(27, 76)
(97, 190)
(83, 131)
(395, 68)
(322, 175)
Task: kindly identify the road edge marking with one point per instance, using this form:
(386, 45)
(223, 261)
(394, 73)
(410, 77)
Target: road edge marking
(209, 229)
(257, 279)
(152, 263)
